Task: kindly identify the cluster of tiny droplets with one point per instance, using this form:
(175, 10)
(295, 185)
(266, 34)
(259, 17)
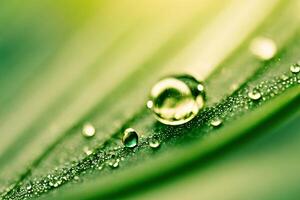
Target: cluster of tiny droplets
(211, 117)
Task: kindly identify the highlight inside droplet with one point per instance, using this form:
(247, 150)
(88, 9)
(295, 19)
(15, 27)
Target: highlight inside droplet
(176, 100)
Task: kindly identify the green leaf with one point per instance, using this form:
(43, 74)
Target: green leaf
(96, 62)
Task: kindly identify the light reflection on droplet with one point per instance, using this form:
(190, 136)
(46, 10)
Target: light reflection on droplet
(200, 87)
(150, 104)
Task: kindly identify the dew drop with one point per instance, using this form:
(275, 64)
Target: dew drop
(200, 87)
(56, 184)
(295, 68)
(254, 95)
(87, 151)
(176, 100)
(264, 48)
(154, 143)
(76, 178)
(150, 104)
(130, 138)
(113, 163)
(216, 122)
(100, 167)
(284, 77)
(88, 130)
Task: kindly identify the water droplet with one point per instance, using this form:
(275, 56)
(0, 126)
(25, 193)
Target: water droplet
(56, 184)
(87, 151)
(76, 178)
(295, 68)
(264, 48)
(200, 87)
(100, 167)
(130, 138)
(154, 143)
(176, 100)
(88, 130)
(284, 77)
(113, 163)
(28, 187)
(150, 104)
(254, 95)
(216, 122)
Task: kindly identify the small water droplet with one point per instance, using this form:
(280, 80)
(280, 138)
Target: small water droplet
(200, 87)
(130, 138)
(150, 104)
(100, 167)
(284, 77)
(254, 95)
(295, 68)
(113, 163)
(154, 143)
(264, 48)
(87, 151)
(216, 122)
(176, 100)
(76, 178)
(28, 187)
(88, 130)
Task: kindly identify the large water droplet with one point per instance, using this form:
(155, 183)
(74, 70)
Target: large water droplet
(130, 138)
(264, 48)
(295, 68)
(88, 130)
(176, 100)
